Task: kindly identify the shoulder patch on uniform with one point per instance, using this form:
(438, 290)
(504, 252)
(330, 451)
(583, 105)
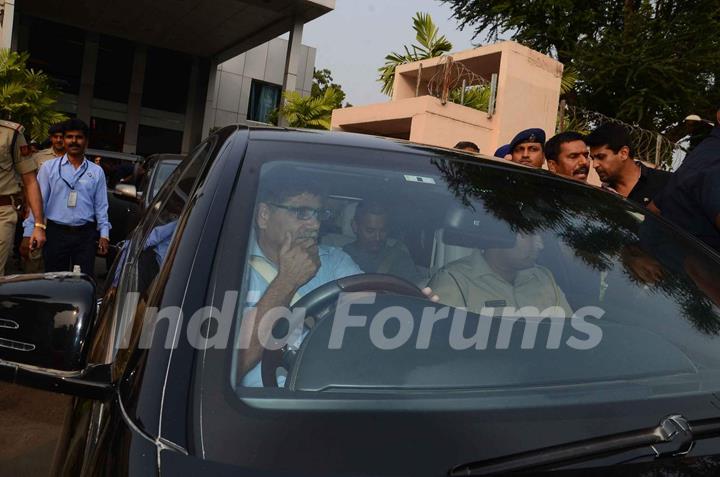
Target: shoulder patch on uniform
(9, 124)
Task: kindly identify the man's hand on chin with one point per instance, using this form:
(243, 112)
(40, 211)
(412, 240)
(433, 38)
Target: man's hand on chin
(298, 261)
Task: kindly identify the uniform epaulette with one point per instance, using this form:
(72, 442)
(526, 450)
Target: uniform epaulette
(14, 126)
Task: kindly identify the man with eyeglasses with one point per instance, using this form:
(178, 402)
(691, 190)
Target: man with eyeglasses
(286, 261)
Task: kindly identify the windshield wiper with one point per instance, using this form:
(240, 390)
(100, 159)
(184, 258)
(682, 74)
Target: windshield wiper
(674, 431)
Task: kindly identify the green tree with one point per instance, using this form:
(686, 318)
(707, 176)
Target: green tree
(646, 62)
(322, 80)
(26, 96)
(429, 45)
(308, 111)
(314, 111)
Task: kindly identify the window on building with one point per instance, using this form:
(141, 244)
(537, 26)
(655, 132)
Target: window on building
(153, 140)
(167, 80)
(106, 134)
(264, 99)
(56, 50)
(114, 69)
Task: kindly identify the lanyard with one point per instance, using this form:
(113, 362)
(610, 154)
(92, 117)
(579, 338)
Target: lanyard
(84, 170)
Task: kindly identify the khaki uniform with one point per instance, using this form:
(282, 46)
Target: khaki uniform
(13, 159)
(34, 262)
(43, 156)
(471, 283)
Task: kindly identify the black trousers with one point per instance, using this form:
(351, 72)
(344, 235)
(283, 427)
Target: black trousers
(68, 246)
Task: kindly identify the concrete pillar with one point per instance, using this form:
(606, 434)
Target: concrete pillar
(87, 77)
(292, 60)
(8, 24)
(209, 116)
(195, 110)
(135, 100)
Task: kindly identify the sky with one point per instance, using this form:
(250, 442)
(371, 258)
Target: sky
(352, 40)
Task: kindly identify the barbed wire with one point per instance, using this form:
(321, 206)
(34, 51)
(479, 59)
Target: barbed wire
(648, 146)
(452, 80)
(452, 76)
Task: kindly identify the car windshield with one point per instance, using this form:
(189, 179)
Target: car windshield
(526, 269)
(547, 291)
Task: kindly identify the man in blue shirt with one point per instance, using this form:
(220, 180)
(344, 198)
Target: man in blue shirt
(75, 201)
(286, 261)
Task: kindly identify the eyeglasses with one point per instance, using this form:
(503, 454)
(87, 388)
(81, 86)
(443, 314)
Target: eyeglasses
(307, 213)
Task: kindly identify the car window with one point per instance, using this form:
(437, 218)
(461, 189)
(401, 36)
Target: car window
(545, 288)
(142, 258)
(164, 169)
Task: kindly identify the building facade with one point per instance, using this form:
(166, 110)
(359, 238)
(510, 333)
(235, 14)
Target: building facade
(157, 75)
(249, 86)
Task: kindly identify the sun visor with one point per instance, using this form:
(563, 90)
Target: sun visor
(465, 227)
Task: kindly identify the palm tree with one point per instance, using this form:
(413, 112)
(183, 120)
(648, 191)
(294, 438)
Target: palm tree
(430, 44)
(26, 96)
(308, 111)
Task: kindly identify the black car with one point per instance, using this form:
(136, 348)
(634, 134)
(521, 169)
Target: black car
(378, 379)
(128, 201)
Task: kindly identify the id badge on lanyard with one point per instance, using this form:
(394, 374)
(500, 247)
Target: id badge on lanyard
(73, 195)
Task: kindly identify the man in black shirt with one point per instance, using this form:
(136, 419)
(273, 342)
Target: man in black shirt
(691, 198)
(613, 160)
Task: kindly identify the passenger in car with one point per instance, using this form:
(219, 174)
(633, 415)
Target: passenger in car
(500, 277)
(372, 250)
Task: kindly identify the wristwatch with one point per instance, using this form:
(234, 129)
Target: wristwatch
(42, 226)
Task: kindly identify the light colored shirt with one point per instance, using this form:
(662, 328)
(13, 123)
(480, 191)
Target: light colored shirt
(334, 264)
(472, 284)
(44, 155)
(89, 182)
(160, 239)
(13, 160)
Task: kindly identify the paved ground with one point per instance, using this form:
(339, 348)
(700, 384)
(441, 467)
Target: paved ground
(31, 421)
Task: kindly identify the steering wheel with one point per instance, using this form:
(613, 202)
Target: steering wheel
(319, 302)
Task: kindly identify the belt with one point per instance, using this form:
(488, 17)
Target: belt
(6, 200)
(72, 228)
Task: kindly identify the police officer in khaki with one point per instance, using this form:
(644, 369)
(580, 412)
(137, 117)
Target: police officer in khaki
(32, 262)
(14, 157)
(57, 145)
(500, 277)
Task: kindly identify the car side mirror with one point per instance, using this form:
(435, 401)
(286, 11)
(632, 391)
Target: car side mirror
(126, 191)
(46, 327)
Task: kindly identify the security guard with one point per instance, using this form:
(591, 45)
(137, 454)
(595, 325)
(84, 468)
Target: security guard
(32, 262)
(57, 145)
(75, 196)
(527, 148)
(14, 158)
(500, 277)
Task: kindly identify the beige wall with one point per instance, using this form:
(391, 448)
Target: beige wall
(527, 96)
(528, 93)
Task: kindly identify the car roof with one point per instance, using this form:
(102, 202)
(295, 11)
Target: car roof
(367, 141)
(123, 156)
(164, 157)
